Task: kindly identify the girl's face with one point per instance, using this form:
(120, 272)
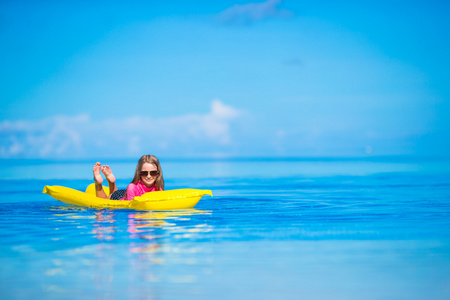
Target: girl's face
(149, 172)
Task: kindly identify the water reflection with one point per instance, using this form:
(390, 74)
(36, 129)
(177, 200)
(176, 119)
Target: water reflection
(149, 248)
(136, 227)
(156, 227)
(104, 226)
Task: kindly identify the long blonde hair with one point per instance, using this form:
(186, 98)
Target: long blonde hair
(159, 182)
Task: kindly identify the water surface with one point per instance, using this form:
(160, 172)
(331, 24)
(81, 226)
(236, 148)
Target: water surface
(285, 229)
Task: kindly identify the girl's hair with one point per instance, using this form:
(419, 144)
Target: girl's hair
(159, 182)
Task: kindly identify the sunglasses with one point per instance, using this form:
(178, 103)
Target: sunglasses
(152, 173)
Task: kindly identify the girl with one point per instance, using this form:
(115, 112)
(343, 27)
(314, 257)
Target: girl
(148, 177)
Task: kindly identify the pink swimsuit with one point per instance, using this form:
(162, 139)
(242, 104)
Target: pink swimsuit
(138, 189)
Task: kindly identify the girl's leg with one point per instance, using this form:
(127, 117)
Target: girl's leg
(106, 170)
(98, 179)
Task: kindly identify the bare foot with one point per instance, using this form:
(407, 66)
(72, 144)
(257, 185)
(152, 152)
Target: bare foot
(106, 170)
(97, 176)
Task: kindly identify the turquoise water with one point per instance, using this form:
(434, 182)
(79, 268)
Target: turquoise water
(275, 229)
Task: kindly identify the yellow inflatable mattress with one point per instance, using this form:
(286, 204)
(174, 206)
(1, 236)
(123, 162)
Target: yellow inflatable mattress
(162, 200)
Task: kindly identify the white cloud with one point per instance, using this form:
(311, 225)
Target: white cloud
(86, 136)
(42, 138)
(252, 12)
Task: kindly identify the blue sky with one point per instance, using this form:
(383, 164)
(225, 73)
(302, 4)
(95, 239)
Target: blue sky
(120, 79)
